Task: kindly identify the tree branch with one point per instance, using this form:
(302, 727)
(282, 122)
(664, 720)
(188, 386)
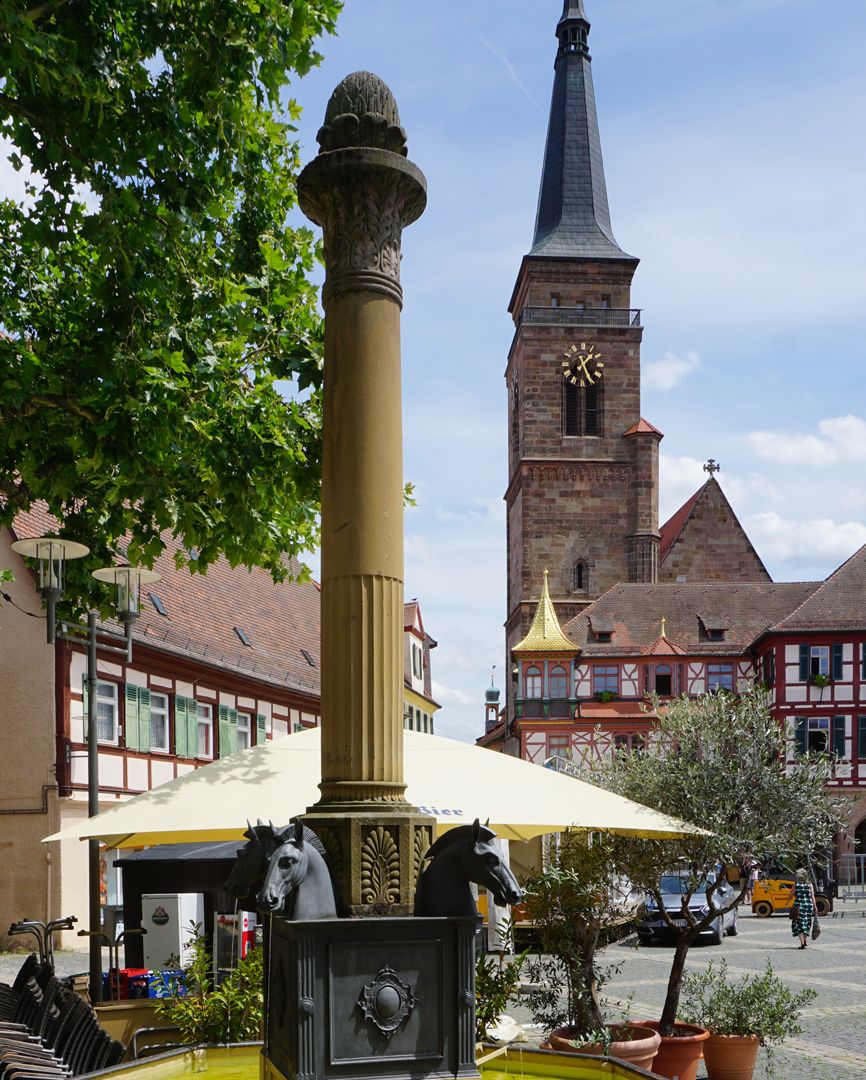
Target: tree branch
(15, 108)
(34, 14)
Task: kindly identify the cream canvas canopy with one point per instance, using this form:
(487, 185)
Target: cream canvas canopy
(454, 782)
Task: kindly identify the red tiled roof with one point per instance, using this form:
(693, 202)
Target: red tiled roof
(838, 604)
(662, 647)
(747, 608)
(202, 610)
(674, 525)
(643, 427)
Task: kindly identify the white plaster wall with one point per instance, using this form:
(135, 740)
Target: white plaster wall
(161, 772)
(137, 774)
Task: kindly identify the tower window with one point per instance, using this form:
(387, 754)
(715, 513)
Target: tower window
(533, 682)
(583, 409)
(592, 406)
(581, 576)
(605, 300)
(554, 300)
(558, 682)
(515, 419)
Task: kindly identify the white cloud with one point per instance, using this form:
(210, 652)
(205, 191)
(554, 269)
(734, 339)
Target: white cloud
(841, 440)
(448, 695)
(670, 371)
(806, 542)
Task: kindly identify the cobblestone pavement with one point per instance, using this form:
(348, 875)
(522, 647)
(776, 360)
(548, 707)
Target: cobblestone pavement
(833, 1043)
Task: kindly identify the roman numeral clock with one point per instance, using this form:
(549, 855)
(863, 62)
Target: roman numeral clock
(582, 365)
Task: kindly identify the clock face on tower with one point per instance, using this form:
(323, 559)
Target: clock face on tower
(582, 364)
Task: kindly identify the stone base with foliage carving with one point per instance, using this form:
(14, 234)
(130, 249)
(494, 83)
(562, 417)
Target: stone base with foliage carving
(374, 854)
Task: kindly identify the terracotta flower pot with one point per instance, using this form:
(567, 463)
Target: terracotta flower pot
(731, 1057)
(679, 1055)
(639, 1049)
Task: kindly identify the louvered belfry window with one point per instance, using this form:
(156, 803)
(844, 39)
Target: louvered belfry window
(582, 407)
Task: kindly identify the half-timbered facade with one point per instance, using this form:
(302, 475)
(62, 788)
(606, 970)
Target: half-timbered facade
(220, 662)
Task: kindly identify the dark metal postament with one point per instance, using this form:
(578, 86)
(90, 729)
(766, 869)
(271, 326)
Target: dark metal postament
(365, 998)
(387, 1001)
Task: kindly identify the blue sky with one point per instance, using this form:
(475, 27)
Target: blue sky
(736, 169)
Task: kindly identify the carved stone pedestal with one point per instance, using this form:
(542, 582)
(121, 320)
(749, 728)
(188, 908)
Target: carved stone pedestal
(371, 998)
(374, 855)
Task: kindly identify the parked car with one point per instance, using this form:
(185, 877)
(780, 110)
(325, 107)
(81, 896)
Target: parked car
(673, 888)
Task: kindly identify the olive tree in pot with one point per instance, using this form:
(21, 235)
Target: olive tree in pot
(723, 762)
(741, 1015)
(577, 899)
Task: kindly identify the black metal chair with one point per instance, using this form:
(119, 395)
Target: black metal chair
(9, 995)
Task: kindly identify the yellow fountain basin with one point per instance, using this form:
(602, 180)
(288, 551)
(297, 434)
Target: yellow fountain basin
(244, 1063)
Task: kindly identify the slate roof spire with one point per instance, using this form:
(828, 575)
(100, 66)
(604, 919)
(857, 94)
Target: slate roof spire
(573, 218)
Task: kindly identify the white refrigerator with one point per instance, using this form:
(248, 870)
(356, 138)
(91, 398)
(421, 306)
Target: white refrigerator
(169, 919)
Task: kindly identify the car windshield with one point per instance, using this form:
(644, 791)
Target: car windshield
(674, 883)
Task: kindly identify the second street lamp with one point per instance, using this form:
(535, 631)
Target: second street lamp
(52, 554)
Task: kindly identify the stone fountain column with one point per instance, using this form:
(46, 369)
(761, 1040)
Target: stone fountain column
(363, 190)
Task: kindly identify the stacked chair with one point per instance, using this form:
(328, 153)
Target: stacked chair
(52, 1032)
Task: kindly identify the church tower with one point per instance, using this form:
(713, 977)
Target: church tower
(582, 498)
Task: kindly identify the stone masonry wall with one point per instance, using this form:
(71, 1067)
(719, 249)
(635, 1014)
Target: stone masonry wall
(712, 545)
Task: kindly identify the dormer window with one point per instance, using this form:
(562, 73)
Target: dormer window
(602, 628)
(715, 627)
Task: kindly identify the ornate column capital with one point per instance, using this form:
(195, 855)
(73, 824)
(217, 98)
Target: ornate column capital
(362, 189)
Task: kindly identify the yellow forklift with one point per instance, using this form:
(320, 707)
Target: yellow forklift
(772, 889)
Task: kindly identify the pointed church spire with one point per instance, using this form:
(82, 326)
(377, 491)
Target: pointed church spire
(573, 218)
(545, 634)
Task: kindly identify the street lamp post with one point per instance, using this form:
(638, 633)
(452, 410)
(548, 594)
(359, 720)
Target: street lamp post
(52, 554)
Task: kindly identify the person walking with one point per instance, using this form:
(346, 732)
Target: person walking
(803, 895)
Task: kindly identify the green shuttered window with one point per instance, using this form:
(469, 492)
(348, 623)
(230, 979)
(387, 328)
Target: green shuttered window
(228, 733)
(261, 730)
(837, 660)
(185, 726)
(800, 723)
(861, 737)
(136, 717)
(839, 737)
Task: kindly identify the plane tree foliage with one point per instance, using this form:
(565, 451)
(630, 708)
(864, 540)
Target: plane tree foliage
(153, 289)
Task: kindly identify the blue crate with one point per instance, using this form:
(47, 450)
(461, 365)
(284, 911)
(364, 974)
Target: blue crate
(156, 981)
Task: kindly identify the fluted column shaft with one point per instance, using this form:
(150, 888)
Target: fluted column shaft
(362, 550)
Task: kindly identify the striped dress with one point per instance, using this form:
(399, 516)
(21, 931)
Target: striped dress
(803, 899)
